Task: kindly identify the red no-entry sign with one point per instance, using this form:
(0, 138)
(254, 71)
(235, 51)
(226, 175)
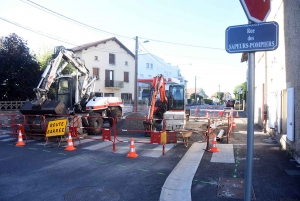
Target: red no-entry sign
(256, 10)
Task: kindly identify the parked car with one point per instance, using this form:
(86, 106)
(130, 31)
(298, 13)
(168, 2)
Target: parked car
(230, 103)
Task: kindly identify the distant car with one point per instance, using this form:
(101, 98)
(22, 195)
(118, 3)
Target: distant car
(230, 103)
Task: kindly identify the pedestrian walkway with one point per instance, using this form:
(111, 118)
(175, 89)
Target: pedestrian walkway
(275, 176)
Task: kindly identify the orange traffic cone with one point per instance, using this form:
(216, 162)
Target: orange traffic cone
(233, 125)
(207, 115)
(214, 142)
(237, 114)
(20, 142)
(196, 111)
(70, 146)
(132, 153)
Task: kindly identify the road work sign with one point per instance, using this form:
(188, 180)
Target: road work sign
(56, 127)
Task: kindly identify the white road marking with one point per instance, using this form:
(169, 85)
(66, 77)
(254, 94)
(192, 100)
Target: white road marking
(157, 151)
(4, 135)
(99, 145)
(225, 155)
(177, 186)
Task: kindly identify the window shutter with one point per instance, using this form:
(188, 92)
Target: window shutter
(96, 73)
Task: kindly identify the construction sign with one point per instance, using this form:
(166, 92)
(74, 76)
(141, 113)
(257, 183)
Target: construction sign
(56, 127)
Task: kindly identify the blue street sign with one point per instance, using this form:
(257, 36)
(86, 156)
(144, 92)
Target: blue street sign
(252, 37)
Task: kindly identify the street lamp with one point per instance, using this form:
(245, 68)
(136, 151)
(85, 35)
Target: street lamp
(136, 72)
(195, 88)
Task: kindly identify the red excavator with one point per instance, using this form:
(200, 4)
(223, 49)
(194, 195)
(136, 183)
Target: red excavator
(166, 102)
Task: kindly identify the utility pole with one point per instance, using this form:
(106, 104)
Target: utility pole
(136, 75)
(219, 96)
(195, 91)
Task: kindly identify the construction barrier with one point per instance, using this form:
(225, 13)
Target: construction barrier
(69, 127)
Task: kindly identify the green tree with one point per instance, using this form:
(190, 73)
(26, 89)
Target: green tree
(46, 54)
(220, 96)
(19, 70)
(192, 96)
(243, 86)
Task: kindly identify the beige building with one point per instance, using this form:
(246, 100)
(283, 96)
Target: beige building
(113, 64)
(277, 86)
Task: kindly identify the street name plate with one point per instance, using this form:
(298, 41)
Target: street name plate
(252, 37)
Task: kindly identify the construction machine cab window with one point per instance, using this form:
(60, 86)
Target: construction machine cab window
(176, 96)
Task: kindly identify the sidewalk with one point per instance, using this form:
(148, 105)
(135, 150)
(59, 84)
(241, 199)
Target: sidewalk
(221, 175)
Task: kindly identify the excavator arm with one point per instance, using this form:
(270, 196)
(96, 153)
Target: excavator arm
(53, 71)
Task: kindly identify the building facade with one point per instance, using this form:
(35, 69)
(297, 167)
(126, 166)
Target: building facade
(277, 86)
(112, 64)
(150, 66)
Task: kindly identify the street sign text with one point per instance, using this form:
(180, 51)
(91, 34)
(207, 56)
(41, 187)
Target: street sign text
(252, 37)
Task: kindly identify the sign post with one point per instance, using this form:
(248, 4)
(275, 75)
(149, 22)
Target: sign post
(256, 11)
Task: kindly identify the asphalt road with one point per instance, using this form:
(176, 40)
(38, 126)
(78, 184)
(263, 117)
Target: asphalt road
(94, 172)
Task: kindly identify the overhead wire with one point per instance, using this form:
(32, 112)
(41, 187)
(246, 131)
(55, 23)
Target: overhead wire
(57, 38)
(95, 28)
(70, 19)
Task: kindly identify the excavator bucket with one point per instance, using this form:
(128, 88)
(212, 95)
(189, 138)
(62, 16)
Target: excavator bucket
(49, 107)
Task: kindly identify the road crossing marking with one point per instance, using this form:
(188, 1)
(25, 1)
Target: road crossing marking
(225, 155)
(157, 151)
(8, 139)
(98, 145)
(143, 147)
(178, 185)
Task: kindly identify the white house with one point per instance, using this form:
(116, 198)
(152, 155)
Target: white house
(150, 66)
(277, 91)
(113, 64)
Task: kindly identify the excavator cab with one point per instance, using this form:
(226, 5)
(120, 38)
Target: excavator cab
(65, 91)
(176, 97)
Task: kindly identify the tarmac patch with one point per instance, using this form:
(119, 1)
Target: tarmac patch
(293, 172)
(232, 188)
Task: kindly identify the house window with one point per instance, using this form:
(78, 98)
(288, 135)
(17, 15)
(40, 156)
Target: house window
(126, 96)
(149, 75)
(96, 58)
(147, 65)
(112, 59)
(96, 73)
(126, 76)
(126, 63)
(151, 66)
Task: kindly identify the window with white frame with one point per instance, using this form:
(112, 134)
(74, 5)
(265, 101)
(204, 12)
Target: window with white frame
(96, 58)
(147, 65)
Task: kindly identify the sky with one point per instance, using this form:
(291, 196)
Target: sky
(188, 34)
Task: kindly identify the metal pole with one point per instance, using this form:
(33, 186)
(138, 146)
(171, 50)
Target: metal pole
(195, 90)
(136, 75)
(219, 96)
(250, 125)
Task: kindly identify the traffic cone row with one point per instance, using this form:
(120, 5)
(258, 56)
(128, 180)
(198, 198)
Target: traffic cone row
(214, 143)
(132, 153)
(70, 146)
(20, 142)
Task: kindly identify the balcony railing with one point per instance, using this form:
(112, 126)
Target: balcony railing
(11, 105)
(114, 84)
